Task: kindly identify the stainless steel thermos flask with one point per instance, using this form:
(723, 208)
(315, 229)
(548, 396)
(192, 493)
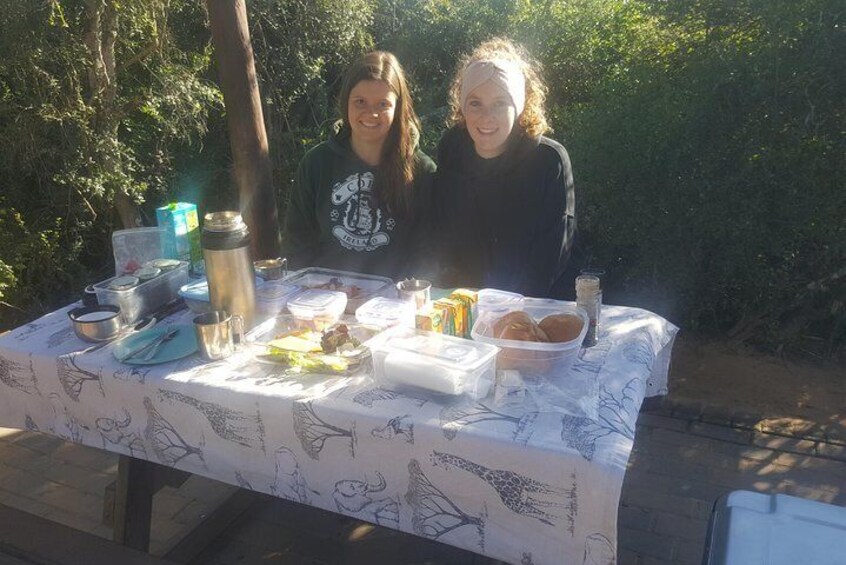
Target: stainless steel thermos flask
(229, 267)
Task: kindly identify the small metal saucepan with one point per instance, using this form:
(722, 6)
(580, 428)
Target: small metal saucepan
(96, 323)
(101, 323)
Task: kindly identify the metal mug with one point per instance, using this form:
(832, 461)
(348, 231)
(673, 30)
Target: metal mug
(271, 269)
(417, 291)
(215, 332)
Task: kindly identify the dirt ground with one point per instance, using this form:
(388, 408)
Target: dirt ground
(716, 374)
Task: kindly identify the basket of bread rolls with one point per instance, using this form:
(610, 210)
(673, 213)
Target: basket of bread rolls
(542, 339)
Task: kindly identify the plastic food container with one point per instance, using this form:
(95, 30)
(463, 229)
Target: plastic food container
(284, 324)
(306, 353)
(135, 247)
(386, 312)
(493, 300)
(551, 360)
(437, 363)
(358, 287)
(196, 295)
(147, 296)
(321, 308)
(272, 297)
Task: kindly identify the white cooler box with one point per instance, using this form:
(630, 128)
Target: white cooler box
(750, 528)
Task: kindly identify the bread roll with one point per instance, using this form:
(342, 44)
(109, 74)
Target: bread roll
(518, 326)
(521, 327)
(561, 327)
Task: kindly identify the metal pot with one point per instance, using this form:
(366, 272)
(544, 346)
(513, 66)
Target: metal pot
(96, 323)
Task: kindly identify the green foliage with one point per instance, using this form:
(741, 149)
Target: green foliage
(69, 144)
(302, 49)
(711, 168)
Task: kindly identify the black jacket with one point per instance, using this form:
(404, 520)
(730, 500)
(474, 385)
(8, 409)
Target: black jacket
(506, 222)
(335, 220)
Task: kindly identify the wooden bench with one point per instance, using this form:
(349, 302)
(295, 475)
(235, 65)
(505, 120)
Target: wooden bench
(29, 539)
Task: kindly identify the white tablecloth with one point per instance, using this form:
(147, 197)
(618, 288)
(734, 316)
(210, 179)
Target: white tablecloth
(525, 482)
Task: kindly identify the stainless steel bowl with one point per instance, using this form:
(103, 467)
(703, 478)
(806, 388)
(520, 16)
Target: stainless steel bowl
(96, 323)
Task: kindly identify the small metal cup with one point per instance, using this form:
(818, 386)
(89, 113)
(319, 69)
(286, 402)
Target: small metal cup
(215, 332)
(271, 269)
(417, 291)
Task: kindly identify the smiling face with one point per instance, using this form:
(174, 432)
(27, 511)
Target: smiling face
(370, 112)
(489, 115)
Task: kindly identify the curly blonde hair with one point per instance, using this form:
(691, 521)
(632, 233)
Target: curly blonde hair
(533, 118)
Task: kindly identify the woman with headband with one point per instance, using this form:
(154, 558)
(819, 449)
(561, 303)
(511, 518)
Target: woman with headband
(504, 199)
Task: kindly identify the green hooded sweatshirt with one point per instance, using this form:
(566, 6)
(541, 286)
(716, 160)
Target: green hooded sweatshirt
(334, 218)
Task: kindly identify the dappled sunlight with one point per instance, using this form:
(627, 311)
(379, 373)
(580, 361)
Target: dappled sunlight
(9, 434)
(654, 324)
(360, 532)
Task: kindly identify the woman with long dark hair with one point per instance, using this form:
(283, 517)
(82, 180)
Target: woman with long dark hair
(357, 197)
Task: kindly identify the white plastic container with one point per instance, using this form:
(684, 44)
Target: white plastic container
(550, 360)
(358, 287)
(320, 307)
(493, 300)
(437, 363)
(272, 297)
(386, 312)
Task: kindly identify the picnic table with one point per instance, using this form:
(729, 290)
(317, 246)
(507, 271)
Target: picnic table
(526, 481)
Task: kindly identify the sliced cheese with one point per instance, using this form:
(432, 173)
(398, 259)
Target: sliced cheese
(296, 343)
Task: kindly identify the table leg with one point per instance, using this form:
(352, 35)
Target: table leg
(134, 502)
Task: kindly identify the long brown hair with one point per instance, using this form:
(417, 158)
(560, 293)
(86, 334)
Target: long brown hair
(395, 174)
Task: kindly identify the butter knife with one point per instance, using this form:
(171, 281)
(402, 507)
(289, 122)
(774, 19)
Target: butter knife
(155, 349)
(146, 346)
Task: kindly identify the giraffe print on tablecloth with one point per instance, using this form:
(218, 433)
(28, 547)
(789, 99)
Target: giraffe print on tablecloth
(516, 491)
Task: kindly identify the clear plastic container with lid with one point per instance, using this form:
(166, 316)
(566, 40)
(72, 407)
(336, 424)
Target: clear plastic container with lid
(136, 246)
(320, 307)
(358, 287)
(386, 312)
(534, 358)
(437, 363)
(272, 297)
(545, 367)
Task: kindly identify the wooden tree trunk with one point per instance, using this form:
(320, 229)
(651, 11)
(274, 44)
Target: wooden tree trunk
(248, 138)
(100, 37)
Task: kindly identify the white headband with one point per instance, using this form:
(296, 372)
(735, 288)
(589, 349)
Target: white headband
(505, 74)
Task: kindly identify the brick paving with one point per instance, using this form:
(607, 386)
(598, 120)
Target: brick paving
(684, 458)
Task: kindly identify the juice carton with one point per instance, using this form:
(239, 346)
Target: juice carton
(453, 315)
(468, 298)
(429, 319)
(182, 231)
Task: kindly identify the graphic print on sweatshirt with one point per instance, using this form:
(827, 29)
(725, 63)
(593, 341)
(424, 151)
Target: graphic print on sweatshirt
(356, 217)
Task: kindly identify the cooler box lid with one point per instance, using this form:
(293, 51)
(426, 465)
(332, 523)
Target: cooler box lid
(750, 528)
